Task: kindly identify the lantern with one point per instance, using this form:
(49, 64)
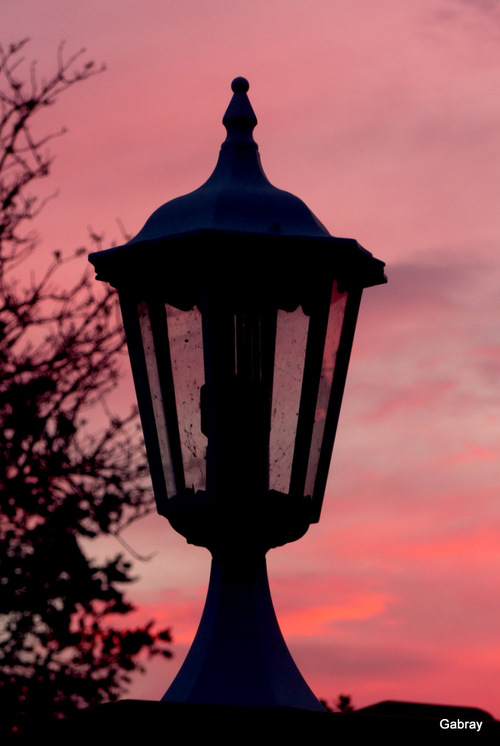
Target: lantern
(239, 310)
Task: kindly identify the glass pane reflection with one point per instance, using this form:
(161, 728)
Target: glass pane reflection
(186, 352)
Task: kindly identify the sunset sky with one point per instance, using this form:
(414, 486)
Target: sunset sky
(384, 117)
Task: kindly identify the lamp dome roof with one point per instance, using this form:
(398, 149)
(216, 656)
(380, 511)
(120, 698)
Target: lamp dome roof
(237, 196)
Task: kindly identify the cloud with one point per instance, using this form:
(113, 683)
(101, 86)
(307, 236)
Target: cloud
(312, 621)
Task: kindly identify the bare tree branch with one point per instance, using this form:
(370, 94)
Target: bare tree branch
(69, 466)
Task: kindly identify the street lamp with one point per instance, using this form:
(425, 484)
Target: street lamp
(239, 310)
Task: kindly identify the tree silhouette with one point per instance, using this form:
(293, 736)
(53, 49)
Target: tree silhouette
(342, 704)
(69, 468)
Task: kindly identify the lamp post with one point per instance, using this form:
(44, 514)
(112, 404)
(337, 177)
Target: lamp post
(239, 310)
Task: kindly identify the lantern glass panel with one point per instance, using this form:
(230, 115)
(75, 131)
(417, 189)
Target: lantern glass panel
(335, 323)
(173, 355)
(291, 341)
(156, 393)
(186, 353)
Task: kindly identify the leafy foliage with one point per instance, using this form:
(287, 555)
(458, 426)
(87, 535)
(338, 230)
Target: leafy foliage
(69, 468)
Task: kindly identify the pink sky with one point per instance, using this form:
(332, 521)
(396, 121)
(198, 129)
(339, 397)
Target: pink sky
(384, 117)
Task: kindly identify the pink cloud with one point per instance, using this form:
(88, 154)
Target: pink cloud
(312, 621)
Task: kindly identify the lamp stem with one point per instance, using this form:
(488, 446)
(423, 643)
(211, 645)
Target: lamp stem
(239, 656)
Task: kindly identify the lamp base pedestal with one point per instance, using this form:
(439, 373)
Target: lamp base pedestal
(239, 656)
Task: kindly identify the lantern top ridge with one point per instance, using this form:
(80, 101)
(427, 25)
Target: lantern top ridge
(239, 119)
(238, 196)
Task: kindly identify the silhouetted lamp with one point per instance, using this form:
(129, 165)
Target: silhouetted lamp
(239, 309)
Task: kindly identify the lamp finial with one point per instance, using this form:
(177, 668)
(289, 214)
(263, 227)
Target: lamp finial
(239, 119)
